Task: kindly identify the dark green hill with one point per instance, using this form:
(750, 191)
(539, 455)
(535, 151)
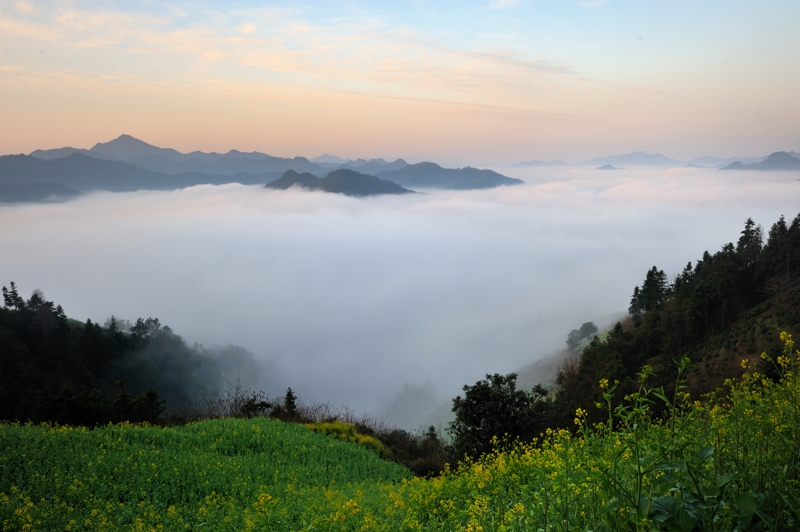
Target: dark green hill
(431, 175)
(729, 306)
(719, 356)
(60, 370)
(342, 181)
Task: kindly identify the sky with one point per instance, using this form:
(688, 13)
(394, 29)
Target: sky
(353, 300)
(454, 81)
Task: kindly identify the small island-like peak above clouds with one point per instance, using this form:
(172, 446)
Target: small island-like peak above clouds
(343, 181)
(780, 160)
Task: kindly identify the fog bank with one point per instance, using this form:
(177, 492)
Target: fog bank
(351, 299)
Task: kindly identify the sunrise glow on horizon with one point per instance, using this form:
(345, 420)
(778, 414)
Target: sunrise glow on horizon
(460, 82)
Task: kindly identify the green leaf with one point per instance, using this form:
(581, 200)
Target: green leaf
(672, 513)
(724, 480)
(664, 507)
(747, 502)
(764, 517)
(701, 455)
(666, 466)
(792, 503)
(685, 521)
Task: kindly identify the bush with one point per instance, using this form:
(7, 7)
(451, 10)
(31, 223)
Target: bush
(493, 409)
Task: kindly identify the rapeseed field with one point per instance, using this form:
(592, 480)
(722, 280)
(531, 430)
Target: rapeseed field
(728, 462)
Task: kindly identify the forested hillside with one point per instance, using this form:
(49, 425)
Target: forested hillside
(728, 306)
(56, 369)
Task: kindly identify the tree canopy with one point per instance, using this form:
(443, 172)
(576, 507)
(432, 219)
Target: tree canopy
(494, 408)
(60, 370)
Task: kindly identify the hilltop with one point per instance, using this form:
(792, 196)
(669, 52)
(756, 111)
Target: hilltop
(638, 158)
(342, 181)
(780, 160)
(128, 149)
(431, 175)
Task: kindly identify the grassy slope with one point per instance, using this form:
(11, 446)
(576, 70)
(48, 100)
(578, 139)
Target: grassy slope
(718, 357)
(212, 474)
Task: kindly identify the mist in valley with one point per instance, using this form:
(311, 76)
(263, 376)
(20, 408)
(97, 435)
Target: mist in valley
(388, 305)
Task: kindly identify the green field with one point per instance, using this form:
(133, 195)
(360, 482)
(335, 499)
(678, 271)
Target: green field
(212, 475)
(727, 463)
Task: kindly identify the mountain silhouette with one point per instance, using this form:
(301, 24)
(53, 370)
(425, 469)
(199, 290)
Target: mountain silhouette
(535, 164)
(167, 161)
(638, 158)
(84, 174)
(291, 178)
(126, 148)
(30, 192)
(342, 181)
(780, 160)
(431, 175)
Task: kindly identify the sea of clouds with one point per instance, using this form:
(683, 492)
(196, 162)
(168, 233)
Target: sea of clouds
(355, 300)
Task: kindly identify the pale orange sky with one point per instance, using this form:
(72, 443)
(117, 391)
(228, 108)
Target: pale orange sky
(457, 82)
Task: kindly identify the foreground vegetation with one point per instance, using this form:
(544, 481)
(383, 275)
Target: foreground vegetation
(214, 475)
(729, 463)
(617, 445)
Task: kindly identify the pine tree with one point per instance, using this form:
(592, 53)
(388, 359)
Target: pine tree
(290, 401)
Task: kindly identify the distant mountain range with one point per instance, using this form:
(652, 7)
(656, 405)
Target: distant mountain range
(535, 164)
(126, 148)
(641, 158)
(714, 162)
(780, 160)
(127, 163)
(326, 158)
(371, 166)
(343, 181)
(431, 175)
(85, 173)
(638, 158)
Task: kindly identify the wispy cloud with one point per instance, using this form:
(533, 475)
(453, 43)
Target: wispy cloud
(522, 63)
(353, 54)
(502, 4)
(26, 7)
